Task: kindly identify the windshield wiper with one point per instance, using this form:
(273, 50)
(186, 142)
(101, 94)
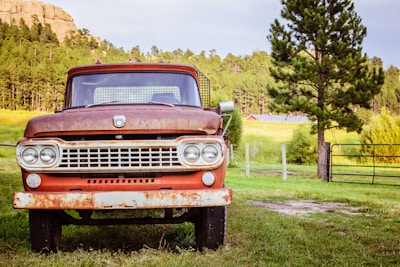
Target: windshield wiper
(161, 103)
(103, 103)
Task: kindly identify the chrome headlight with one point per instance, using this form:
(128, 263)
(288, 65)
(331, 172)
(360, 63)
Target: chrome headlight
(191, 153)
(37, 155)
(210, 153)
(200, 153)
(29, 155)
(48, 155)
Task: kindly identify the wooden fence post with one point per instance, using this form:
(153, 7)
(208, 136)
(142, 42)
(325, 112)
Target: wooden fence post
(284, 171)
(326, 161)
(247, 158)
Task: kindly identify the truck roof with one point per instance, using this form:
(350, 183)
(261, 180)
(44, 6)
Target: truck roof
(202, 80)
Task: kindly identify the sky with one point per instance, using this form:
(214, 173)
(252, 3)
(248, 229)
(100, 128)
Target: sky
(239, 27)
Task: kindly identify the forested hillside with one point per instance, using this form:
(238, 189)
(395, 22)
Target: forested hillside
(33, 67)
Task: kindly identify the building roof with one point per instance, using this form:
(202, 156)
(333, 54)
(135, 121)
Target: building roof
(278, 118)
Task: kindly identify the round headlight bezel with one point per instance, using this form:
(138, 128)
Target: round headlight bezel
(30, 155)
(210, 153)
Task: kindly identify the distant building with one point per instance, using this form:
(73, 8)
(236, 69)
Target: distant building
(279, 118)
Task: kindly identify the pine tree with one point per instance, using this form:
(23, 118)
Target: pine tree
(389, 97)
(317, 57)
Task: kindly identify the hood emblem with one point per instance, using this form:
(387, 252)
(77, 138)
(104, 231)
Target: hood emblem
(119, 121)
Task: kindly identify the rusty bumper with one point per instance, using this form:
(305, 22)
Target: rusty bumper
(122, 199)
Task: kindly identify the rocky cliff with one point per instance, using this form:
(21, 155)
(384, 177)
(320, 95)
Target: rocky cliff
(60, 21)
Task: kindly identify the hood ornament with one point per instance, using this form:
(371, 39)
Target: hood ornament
(119, 121)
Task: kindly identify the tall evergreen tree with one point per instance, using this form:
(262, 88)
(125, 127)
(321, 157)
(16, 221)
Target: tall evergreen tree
(389, 98)
(317, 57)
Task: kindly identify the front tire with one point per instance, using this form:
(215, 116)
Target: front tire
(210, 227)
(45, 230)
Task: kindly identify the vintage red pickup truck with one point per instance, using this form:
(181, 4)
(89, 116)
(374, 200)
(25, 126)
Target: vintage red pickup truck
(131, 136)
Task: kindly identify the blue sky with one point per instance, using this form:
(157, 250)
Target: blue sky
(228, 26)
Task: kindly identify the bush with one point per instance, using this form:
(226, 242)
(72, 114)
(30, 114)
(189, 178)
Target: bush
(302, 148)
(383, 129)
(235, 129)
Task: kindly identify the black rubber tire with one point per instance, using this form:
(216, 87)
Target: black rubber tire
(45, 230)
(210, 227)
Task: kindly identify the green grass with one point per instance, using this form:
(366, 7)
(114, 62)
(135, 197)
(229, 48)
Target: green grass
(12, 125)
(256, 236)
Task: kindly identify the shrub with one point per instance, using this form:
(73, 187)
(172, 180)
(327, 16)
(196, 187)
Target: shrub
(235, 129)
(302, 147)
(383, 129)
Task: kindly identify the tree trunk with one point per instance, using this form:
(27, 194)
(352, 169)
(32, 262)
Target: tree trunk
(321, 120)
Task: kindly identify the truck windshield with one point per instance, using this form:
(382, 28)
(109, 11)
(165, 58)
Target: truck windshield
(133, 88)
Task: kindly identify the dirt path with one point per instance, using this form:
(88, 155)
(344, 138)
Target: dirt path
(303, 207)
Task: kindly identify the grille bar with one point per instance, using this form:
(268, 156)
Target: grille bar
(119, 157)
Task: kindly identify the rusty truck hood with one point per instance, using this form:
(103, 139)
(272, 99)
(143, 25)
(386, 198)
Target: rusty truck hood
(146, 119)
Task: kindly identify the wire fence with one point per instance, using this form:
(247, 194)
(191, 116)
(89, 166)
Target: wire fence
(9, 145)
(365, 163)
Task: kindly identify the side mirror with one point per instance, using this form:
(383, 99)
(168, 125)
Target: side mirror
(225, 107)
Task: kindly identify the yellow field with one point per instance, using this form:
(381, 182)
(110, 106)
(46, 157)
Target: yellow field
(17, 118)
(282, 132)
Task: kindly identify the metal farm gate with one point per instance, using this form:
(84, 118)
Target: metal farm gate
(365, 163)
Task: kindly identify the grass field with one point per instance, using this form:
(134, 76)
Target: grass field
(256, 236)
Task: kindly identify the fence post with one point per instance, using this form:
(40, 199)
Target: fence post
(247, 159)
(284, 171)
(326, 161)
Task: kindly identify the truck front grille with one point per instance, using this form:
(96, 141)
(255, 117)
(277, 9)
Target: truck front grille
(119, 158)
(122, 157)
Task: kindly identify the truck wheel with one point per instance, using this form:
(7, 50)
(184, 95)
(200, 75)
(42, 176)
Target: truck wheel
(210, 227)
(45, 230)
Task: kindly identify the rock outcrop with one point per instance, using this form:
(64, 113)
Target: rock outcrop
(60, 21)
